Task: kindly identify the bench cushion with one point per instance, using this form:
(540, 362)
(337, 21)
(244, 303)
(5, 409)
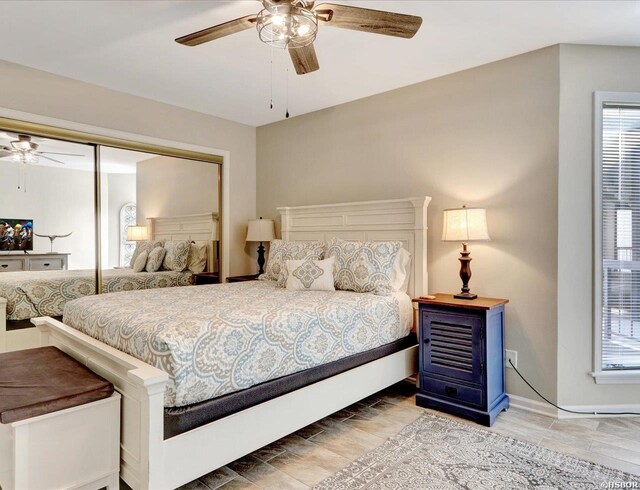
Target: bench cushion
(39, 381)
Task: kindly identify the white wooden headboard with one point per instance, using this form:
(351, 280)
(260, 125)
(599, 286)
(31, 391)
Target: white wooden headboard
(404, 220)
(196, 227)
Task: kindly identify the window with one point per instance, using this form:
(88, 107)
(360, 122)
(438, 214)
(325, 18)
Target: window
(617, 240)
(127, 218)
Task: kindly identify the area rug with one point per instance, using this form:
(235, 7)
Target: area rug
(439, 453)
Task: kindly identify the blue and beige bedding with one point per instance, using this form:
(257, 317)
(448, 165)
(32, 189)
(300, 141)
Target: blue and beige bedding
(220, 339)
(32, 294)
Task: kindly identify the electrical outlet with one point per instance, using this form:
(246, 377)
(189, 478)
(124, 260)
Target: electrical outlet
(511, 355)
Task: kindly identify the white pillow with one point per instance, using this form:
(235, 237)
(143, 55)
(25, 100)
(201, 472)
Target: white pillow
(197, 260)
(310, 275)
(400, 272)
(141, 261)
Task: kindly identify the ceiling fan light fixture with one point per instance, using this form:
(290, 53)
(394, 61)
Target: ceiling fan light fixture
(287, 26)
(25, 156)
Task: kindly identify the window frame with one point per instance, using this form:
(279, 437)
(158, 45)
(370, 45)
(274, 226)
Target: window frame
(626, 376)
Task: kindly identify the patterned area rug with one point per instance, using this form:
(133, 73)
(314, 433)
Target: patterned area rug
(439, 453)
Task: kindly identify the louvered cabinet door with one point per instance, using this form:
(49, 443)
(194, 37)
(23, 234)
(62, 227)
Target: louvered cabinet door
(452, 346)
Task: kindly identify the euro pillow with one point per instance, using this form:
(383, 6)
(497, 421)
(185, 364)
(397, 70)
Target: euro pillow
(310, 275)
(176, 254)
(280, 251)
(364, 267)
(197, 259)
(154, 262)
(140, 262)
(145, 245)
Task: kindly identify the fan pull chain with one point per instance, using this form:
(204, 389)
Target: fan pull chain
(287, 94)
(22, 177)
(271, 82)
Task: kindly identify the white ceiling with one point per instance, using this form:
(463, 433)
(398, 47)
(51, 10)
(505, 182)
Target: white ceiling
(128, 46)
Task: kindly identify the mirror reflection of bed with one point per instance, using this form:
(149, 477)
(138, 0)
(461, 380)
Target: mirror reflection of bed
(49, 217)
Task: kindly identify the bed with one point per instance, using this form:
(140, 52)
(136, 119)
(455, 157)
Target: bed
(160, 449)
(30, 294)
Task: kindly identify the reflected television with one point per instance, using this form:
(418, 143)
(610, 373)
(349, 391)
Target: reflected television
(16, 235)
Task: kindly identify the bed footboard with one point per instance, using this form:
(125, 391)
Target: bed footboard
(142, 388)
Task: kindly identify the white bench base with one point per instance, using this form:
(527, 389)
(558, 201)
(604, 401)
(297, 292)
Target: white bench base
(76, 448)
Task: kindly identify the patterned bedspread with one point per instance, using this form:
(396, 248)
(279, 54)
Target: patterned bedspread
(31, 294)
(217, 339)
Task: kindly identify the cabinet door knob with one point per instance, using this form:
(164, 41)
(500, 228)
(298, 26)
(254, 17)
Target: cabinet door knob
(450, 390)
(426, 341)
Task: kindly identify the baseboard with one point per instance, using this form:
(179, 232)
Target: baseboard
(550, 411)
(598, 409)
(533, 406)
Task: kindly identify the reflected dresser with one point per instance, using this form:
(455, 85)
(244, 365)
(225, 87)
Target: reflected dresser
(33, 262)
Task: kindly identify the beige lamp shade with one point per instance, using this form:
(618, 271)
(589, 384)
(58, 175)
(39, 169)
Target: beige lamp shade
(137, 233)
(465, 225)
(261, 230)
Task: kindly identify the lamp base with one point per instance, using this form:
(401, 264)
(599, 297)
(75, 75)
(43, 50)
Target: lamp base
(261, 258)
(465, 296)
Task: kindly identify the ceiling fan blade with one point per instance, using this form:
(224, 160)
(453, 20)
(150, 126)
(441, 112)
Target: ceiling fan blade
(52, 159)
(368, 20)
(304, 59)
(216, 32)
(56, 153)
(5, 152)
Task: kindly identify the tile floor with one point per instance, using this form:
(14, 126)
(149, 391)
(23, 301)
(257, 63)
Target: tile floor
(315, 452)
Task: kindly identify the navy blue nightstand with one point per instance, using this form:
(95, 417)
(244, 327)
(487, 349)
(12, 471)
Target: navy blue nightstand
(462, 356)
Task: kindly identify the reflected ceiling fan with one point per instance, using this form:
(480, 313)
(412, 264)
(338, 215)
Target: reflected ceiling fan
(293, 25)
(24, 150)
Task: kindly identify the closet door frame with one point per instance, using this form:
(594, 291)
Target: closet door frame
(20, 122)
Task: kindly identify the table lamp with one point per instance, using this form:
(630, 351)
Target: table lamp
(260, 230)
(137, 233)
(465, 225)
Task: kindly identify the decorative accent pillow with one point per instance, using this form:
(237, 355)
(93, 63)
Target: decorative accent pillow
(363, 267)
(154, 262)
(146, 245)
(140, 262)
(280, 251)
(197, 259)
(310, 275)
(175, 258)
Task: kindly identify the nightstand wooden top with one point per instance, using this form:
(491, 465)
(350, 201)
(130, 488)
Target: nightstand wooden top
(474, 304)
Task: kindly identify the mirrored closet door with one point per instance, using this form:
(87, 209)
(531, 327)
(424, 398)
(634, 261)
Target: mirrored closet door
(47, 216)
(159, 220)
(47, 225)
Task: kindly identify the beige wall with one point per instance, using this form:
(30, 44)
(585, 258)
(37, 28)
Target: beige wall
(38, 92)
(583, 70)
(485, 137)
(175, 187)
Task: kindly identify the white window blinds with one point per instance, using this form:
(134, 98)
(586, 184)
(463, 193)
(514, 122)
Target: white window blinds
(620, 240)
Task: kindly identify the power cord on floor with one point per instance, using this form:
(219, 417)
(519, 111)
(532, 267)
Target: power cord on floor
(566, 409)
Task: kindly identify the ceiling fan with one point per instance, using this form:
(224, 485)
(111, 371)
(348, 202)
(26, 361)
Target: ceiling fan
(24, 150)
(293, 25)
